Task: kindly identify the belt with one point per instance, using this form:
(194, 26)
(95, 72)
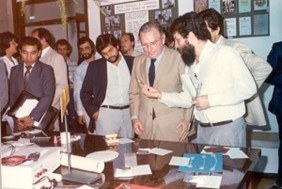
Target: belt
(215, 124)
(115, 107)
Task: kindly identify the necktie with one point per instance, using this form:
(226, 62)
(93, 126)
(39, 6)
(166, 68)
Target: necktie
(26, 75)
(152, 72)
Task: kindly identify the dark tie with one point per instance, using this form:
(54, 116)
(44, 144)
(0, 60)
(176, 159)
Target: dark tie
(152, 72)
(151, 80)
(26, 75)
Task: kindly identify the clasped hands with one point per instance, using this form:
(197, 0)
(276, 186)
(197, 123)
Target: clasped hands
(201, 102)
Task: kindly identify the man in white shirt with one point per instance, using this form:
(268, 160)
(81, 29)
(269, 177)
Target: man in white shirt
(104, 93)
(87, 51)
(215, 84)
(258, 67)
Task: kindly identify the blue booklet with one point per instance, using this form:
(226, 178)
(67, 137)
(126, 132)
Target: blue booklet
(203, 163)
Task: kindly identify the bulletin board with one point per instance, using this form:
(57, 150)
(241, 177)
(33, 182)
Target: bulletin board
(242, 18)
(118, 16)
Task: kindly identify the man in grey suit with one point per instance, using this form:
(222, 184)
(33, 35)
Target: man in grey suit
(162, 68)
(34, 77)
(51, 57)
(3, 87)
(258, 67)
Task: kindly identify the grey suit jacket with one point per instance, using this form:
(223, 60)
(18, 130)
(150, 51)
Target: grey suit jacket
(41, 84)
(168, 79)
(260, 70)
(3, 86)
(59, 65)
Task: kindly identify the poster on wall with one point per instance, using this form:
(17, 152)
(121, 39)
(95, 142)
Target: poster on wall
(118, 16)
(242, 18)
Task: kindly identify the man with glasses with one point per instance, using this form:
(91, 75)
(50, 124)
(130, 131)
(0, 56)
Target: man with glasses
(161, 68)
(216, 84)
(104, 92)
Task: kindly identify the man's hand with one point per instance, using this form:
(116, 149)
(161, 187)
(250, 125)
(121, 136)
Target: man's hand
(95, 116)
(81, 120)
(151, 92)
(201, 102)
(137, 126)
(184, 125)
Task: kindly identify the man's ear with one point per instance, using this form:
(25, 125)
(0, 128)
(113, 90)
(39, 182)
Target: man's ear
(39, 53)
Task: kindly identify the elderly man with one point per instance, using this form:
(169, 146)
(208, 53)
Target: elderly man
(160, 67)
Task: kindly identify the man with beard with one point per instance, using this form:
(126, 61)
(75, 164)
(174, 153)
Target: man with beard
(160, 67)
(216, 83)
(87, 50)
(104, 93)
(258, 67)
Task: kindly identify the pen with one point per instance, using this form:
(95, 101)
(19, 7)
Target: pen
(140, 82)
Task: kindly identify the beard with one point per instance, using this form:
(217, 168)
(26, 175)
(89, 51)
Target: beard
(188, 54)
(113, 59)
(87, 56)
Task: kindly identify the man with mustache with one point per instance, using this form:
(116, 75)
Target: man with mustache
(104, 93)
(216, 83)
(87, 51)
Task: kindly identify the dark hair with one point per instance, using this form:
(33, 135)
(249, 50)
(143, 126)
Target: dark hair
(5, 39)
(46, 34)
(30, 41)
(104, 40)
(190, 22)
(83, 40)
(213, 19)
(131, 36)
(149, 25)
(63, 42)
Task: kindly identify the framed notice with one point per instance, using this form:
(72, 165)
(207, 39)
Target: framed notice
(243, 18)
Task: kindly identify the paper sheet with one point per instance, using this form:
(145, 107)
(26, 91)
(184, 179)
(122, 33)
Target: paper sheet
(160, 151)
(179, 161)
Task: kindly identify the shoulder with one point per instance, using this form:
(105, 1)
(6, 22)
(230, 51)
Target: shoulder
(277, 45)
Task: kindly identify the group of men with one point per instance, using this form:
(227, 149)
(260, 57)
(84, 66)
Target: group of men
(208, 80)
(156, 94)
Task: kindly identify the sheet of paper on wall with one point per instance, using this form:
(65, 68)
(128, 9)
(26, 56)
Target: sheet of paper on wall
(26, 108)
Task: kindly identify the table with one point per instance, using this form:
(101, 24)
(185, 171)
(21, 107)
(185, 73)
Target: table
(237, 172)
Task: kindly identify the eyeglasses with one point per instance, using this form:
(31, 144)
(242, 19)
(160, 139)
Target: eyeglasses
(150, 44)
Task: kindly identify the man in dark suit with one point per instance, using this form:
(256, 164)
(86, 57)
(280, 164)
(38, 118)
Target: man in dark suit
(104, 93)
(3, 87)
(34, 77)
(275, 78)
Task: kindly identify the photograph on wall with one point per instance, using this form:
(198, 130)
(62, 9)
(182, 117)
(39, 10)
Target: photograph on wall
(200, 5)
(164, 17)
(166, 4)
(245, 26)
(230, 27)
(260, 4)
(215, 4)
(244, 6)
(261, 25)
(229, 6)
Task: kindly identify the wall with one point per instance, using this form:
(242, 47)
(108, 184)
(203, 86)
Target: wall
(6, 18)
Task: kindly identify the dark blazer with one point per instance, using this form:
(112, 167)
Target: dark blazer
(94, 87)
(41, 84)
(275, 78)
(3, 86)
